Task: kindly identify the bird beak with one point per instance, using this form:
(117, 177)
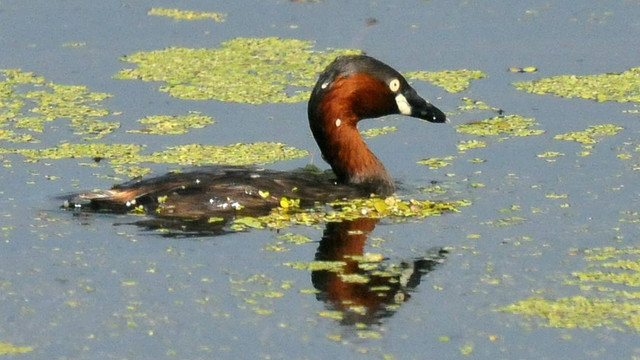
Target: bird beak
(411, 104)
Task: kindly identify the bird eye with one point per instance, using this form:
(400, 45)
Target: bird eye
(394, 85)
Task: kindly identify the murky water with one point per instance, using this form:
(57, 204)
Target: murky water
(76, 286)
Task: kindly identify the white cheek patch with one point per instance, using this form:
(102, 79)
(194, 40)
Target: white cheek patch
(403, 105)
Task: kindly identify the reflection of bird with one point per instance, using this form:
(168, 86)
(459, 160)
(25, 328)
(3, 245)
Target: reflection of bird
(365, 291)
(350, 89)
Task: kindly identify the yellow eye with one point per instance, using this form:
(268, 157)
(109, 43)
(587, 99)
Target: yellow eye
(394, 85)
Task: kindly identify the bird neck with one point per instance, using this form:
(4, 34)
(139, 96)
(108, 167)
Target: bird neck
(342, 146)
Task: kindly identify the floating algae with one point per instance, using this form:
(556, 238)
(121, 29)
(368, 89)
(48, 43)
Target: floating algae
(436, 163)
(27, 102)
(166, 124)
(243, 70)
(192, 154)
(591, 134)
(378, 131)
(234, 154)
(9, 349)
(512, 125)
(178, 14)
(620, 87)
(471, 144)
(390, 207)
(452, 81)
(609, 296)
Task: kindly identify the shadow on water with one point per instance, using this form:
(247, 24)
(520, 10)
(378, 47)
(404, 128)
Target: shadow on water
(362, 288)
(365, 290)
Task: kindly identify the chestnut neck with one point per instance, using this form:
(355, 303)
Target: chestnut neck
(333, 121)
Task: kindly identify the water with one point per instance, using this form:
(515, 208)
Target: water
(93, 287)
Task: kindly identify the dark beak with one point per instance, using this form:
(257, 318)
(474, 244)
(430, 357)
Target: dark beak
(422, 109)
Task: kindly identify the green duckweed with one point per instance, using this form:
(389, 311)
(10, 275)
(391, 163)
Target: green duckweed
(511, 125)
(434, 189)
(620, 87)
(378, 131)
(591, 134)
(29, 102)
(234, 154)
(550, 154)
(471, 104)
(608, 296)
(11, 136)
(191, 154)
(580, 312)
(436, 163)
(470, 144)
(389, 207)
(117, 153)
(335, 315)
(178, 14)
(318, 265)
(297, 239)
(166, 124)
(510, 221)
(244, 70)
(526, 69)
(556, 196)
(9, 349)
(452, 81)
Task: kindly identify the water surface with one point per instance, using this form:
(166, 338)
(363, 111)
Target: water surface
(89, 287)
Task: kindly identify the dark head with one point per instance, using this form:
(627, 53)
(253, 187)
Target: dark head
(350, 89)
(372, 88)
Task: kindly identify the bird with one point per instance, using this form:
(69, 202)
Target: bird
(350, 89)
